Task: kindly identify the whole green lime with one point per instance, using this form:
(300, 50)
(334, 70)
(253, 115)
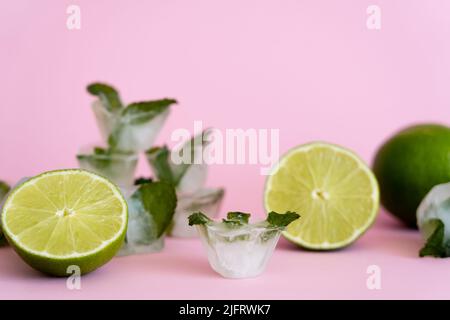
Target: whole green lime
(409, 164)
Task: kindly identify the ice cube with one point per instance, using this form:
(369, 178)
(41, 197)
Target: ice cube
(239, 252)
(435, 205)
(119, 167)
(141, 233)
(125, 135)
(194, 179)
(207, 200)
(106, 120)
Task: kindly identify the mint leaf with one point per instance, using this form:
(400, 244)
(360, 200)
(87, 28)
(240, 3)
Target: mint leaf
(100, 151)
(159, 159)
(279, 220)
(142, 180)
(4, 189)
(141, 112)
(198, 218)
(435, 243)
(237, 218)
(159, 200)
(107, 95)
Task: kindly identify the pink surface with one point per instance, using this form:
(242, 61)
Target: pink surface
(309, 68)
(181, 271)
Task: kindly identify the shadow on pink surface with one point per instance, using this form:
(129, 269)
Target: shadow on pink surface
(387, 235)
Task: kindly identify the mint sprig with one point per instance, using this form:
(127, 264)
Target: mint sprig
(281, 220)
(198, 218)
(435, 245)
(107, 94)
(141, 112)
(236, 218)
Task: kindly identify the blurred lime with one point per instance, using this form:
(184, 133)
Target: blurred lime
(409, 164)
(64, 218)
(332, 189)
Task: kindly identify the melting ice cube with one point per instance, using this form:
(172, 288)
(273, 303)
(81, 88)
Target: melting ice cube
(141, 233)
(241, 252)
(119, 167)
(128, 133)
(435, 206)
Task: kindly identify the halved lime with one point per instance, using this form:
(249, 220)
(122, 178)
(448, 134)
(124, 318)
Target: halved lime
(65, 218)
(332, 189)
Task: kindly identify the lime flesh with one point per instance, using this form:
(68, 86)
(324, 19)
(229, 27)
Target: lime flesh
(65, 218)
(335, 193)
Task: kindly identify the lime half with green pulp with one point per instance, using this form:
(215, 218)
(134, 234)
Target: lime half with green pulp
(65, 218)
(331, 188)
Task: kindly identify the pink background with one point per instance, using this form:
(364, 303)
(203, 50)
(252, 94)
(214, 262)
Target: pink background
(310, 68)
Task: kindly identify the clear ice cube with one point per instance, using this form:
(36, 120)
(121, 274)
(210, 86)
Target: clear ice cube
(129, 137)
(240, 252)
(435, 205)
(194, 179)
(119, 167)
(207, 200)
(141, 233)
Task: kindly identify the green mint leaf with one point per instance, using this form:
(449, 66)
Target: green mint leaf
(142, 180)
(142, 112)
(279, 220)
(198, 218)
(159, 159)
(108, 96)
(435, 245)
(237, 218)
(159, 200)
(100, 151)
(4, 189)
